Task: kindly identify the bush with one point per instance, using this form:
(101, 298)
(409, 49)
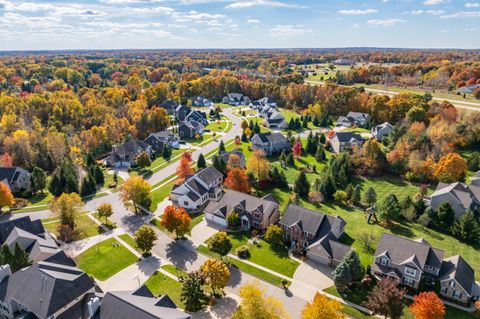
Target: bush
(243, 252)
(20, 203)
(315, 198)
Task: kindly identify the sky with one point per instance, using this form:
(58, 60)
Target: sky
(165, 24)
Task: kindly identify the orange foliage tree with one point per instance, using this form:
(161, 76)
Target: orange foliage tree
(450, 168)
(427, 305)
(237, 180)
(6, 160)
(6, 197)
(176, 220)
(184, 168)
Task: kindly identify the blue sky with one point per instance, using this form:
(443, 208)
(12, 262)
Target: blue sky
(119, 24)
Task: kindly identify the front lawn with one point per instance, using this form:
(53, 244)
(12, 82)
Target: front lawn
(130, 241)
(160, 284)
(174, 270)
(86, 227)
(160, 194)
(105, 259)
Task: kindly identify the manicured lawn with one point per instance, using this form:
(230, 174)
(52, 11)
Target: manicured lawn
(160, 194)
(196, 141)
(109, 179)
(356, 295)
(174, 270)
(159, 284)
(86, 227)
(105, 259)
(109, 224)
(40, 199)
(130, 241)
(216, 127)
(196, 219)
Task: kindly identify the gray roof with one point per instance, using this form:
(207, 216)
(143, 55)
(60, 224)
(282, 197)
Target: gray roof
(401, 250)
(357, 115)
(345, 137)
(130, 147)
(329, 247)
(34, 227)
(457, 268)
(226, 156)
(37, 247)
(209, 174)
(139, 304)
(163, 135)
(463, 193)
(9, 173)
(271, 137)
(50, 287)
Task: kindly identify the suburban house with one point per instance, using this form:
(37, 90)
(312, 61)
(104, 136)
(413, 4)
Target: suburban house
(159, 140)
(137, 304)
(185, 114)
(412, 261)
(468, 89)
(460, 196)
(181, 113)
(125, 154)
(226, 156)
(198, 189)
(30, 236)
(274, 119)
(16, 178)
(382, 130)
(200, 101)
(236, 99)
(190, 129)
(315, 234)
(254, 212)
(266, 101)
(53, 288)
(170, 106)
(358, 118)
(344, 61)
(270, 143)
(342, 141)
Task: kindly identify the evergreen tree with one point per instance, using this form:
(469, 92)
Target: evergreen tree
(305, 122)
(89, 185)
(64, 179)
(166, 153)
(291, 124)
(89, 160)
(20, 260)
(390, 208)
(370, 197)
(98, 175)
(301, 185)
(349, 191)
(39, 179)
(356, 268)
(219, 164)
(244, 137)
(290, 160)
(322, 139)
(256, 128)
(283, 157)
(192, 292)
(467, 228)
(201, 163)
(221, 147)
(320, 154)
(311, 146)
(444, 216)
(356, 196)
(342, 277)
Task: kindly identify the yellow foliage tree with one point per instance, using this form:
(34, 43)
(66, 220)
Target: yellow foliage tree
(450, 168)
(322, 307)
(137, 190)
(258, 165)
(216, 274)
(255, 304)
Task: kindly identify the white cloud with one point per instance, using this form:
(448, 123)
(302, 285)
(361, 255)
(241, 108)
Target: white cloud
(385, 22)
(469, 29)
(433, 2)
(289, 31)
(432, 12)
(130, 1)
(250, 21)
(155, 10)
(358, 12)
(262, 3)
(472, 5)
(462, 14)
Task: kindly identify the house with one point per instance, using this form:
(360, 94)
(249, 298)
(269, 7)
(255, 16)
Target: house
(200, 101)
(343, 61)
(170, 106)
(412, 261)
(53, 288)
(270, 143)
(358, 118)
(16, 178)
(30, 236)
(125, 154)
(343, 121)
(460, 196)
(236, 99)
(254, 212)
(276, 120)
(197, 116)
(181, 112)
(468, 89)
(226, 156)
(342, 141)
(315, 234)
(158, 140)
(382, 130)
(138, 304)
(266, 101)
(198, 189)
(190, 129)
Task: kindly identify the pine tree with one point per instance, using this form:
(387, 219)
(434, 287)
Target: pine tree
(349, 191)
(192, 292)
(39, 179)
(283, 157)
(342, 277)
(256, 128)
(166, 153)
(353, 261)
(201, 163)
(302, 186)
(244, 137)
(221, 147)
(219, 164)
(290, 160)
(320, 153)
(370, 197)
(390, 208)
(356, 196)
(467, 228)
(98, 175)
(311, 144)
(20, 260)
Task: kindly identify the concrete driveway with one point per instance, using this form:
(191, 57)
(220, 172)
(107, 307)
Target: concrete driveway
(309, 278)
(202, 231)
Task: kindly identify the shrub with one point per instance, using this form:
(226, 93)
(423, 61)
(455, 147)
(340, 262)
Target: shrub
(243, 252)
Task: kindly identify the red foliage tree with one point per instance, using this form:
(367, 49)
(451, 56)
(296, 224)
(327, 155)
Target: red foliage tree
(237, 180)
(176, 220)
(297, 148)
(184, 168)
(6, 160)
(427, 305)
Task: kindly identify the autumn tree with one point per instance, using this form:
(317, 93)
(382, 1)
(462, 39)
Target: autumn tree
(220, 243)
(427, 305)
(297, 148)
(237, 180)
(255, 304)
(274, 235)
(216, 274)
(137, 190)
(370, 196)
(145, 238)
(143, 160)
(105, 210)
(450, 168)
(386, 299)
(6, 160)
(233, 161)
(176, 219)
(67, 207)
(184, 168)
(323, 307)
(258, 165)
(6, 197)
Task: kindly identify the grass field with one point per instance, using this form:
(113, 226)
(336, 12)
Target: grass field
(85, 228)
(160, 284)
(160, 194)
(105, 259)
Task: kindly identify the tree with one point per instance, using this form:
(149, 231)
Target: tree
(105, 210)
(176, 219)
(302, 185)
(233, 220)
(311, 146)
(427, 305)
(258, 165)
(201, 163)
(450, 168)
(137, 190)
(39, 180)
(274, 235)
(219, 163)
(320, 154)
(297, 148)
(143, 160)
(184, 168)
(67, 207)
(192, 292)
(290, 160)
(255, 304)
(370, 196)
(221, 147)
(444, 216)
(6, 197)
(145, 238)
(356, 268)
(342, 277)
(220, 243)
(89, 185)
(323, 307)
(17, 259)
(386, 299)
(97, 173)
(237, 180)
(467, 228)
(389, 209)
(356, 196)
(216, 274)
(64, 179)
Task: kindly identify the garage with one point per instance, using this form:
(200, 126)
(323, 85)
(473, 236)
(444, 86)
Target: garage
(219, 220)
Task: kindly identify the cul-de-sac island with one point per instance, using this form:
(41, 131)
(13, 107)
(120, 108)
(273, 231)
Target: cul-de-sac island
(239, 183)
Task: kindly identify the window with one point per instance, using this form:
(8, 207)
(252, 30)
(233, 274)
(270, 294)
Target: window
(429, 267)
(452, 284)
(383, 261)
(408, 281)
(410, 271)
(457, 294)
(443, 290)
(185, 203)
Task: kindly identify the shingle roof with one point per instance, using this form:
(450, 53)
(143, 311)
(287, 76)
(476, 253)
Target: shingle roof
(130, 147)
(329, 247)
(457, 268)
(7, 173)
(271, 137)
(34, 227)
(209, 175)
(463, 193)
(344, 137)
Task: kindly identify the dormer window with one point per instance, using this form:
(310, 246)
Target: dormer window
(384, 262)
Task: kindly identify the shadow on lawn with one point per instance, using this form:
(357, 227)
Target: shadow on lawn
(401, 230)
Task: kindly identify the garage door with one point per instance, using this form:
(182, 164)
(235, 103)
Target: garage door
(318, 258)
(215, 219)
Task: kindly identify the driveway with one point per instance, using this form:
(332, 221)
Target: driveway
(309, 278)
(203, 231)
(222, 310)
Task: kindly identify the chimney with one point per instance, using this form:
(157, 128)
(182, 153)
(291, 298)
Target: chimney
(5, 271)
(93, 306)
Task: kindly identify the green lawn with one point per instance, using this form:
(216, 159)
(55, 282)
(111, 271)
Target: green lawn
(40, 199)
(130, 241)
(160, 194)
(86, 227)
(216, 127)
(196, 219)
(109, 179)
(108, 223)
(159, 284)
(174, 270)
(105, 259)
